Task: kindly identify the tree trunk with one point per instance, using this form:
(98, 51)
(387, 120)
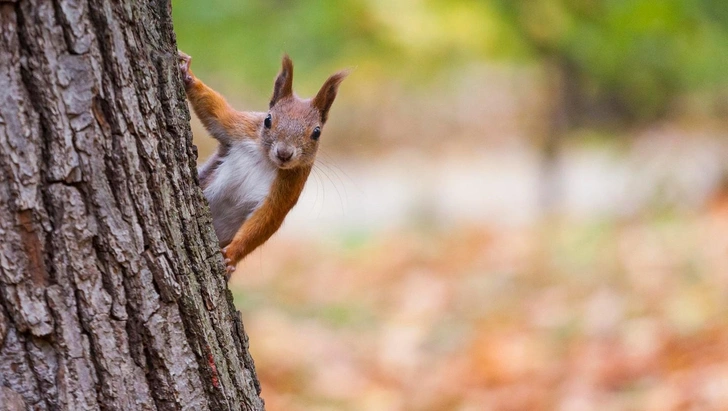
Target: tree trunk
(112, 289)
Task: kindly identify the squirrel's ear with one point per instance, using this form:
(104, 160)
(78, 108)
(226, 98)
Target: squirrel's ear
(284, 82)
(325, 97)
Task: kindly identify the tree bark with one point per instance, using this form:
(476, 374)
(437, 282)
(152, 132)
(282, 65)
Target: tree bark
(112, 288)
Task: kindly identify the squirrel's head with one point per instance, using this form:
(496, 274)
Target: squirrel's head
(292, 128)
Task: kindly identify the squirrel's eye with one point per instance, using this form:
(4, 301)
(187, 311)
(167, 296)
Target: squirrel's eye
(267, 121)
(316, 133)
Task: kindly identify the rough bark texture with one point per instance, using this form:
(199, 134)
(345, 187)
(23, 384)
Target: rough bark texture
(112, 292)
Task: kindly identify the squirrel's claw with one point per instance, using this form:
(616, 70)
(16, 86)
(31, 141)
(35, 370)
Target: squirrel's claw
(229, 264)
(184, 66)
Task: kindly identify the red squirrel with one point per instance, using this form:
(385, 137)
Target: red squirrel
(264, 158)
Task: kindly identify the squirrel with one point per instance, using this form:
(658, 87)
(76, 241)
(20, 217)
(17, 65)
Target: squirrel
(261, 165)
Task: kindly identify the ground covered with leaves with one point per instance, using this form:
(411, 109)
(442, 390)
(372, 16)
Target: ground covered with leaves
(567, 315)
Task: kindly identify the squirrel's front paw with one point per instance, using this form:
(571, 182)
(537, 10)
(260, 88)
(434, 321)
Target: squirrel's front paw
(229, 259)
(184, 66)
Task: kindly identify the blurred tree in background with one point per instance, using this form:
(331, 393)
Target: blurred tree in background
(615, 63)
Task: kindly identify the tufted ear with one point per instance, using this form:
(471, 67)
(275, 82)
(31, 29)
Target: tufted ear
(325, 97)
(284, 82)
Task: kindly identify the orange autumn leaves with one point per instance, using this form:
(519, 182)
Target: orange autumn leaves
(572, 316)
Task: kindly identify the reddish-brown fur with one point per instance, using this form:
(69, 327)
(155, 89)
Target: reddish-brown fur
(293, 121)
(267, 219)
(214, 111)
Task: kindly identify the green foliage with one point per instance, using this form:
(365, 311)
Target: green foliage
(245, 39)
(640, 54)
(644, 53)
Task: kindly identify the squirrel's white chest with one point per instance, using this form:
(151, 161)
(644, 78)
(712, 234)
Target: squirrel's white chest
(241, 183)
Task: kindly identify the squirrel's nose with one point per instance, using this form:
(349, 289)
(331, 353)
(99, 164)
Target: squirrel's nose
(284, 153)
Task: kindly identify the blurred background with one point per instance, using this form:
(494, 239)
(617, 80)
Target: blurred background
(517, 204)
